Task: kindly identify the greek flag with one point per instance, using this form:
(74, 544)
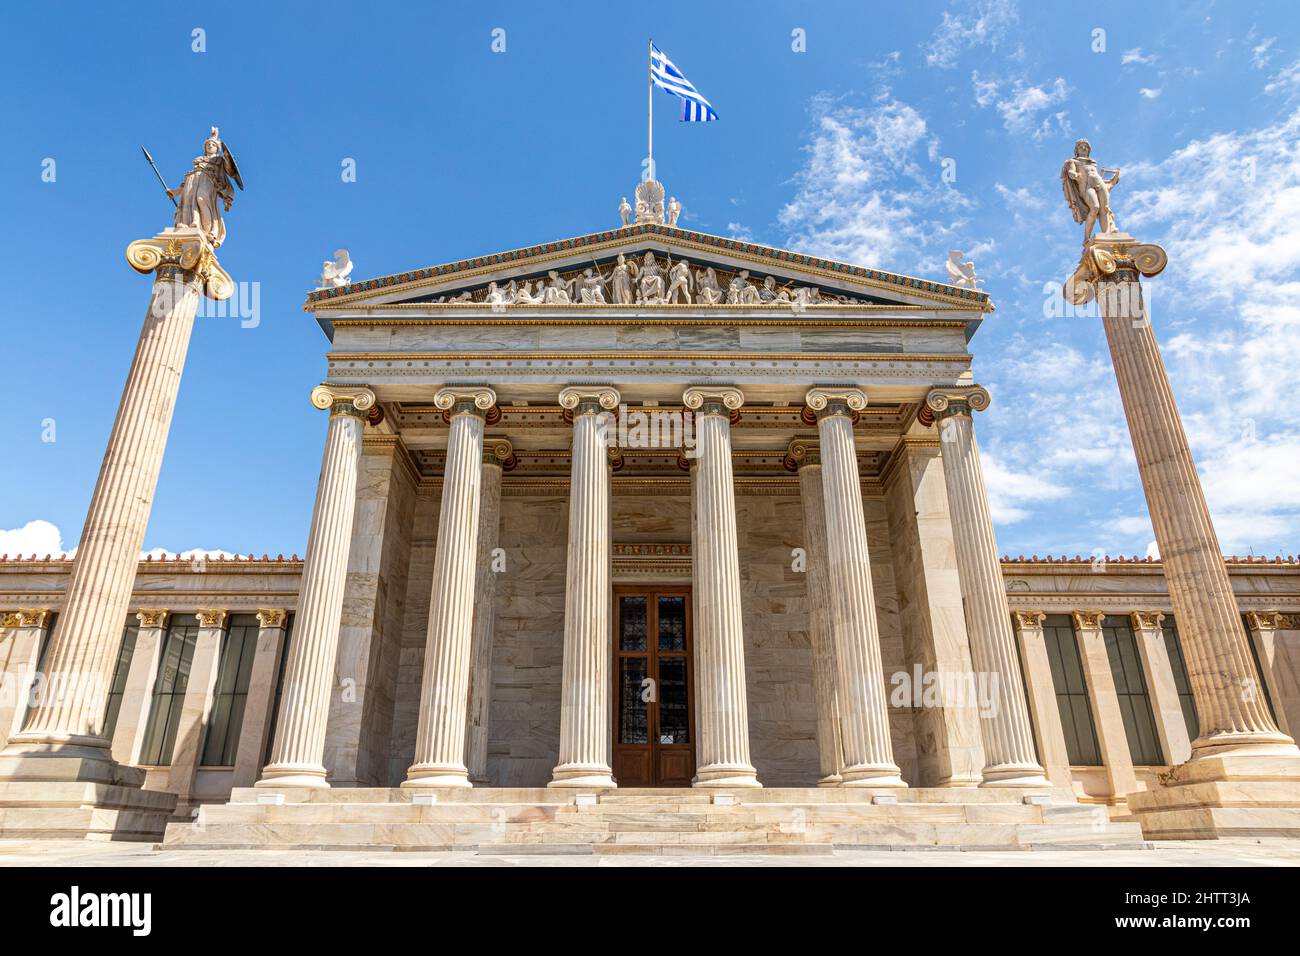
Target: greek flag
(666, 76)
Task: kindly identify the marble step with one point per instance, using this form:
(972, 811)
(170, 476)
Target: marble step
(82, 810)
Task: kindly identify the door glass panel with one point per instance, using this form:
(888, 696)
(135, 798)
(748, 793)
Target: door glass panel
(672, 624)
(633, 712)
(632, 624)
(674, 721)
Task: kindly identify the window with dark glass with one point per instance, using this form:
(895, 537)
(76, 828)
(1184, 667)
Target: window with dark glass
(1131, 689)
(120, 673)
(1071, 691)
(279, 690)
(238, 648)
(1177, 663)
(169, 693)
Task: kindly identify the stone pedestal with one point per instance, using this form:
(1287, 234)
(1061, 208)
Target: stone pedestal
(585, 731)
(722, 711)
(805, 457)
(1240, 744)
(864, 719)
(297, 755)
(498, 454)
(444, 688)
(1009, 753)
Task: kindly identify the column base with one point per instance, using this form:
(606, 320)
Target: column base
(885, 775)
(1244, 745)
(830, 780)
(727, 775)
(582, 775)
(1015, 775)
(72, 758)
(432, 775)
(1223, 796)
(293, 775)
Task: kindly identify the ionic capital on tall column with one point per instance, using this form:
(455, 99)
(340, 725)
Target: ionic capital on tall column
(1009, 751)
(444, 689)
(298, 750)
(713, 400)
(272, 618)
(179, 253)
(804, 457)
(585, 690)
(868, 759)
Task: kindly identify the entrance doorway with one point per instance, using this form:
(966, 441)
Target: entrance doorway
(654, 719)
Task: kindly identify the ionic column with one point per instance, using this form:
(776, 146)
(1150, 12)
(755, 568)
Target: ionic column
(722, 721)
(297, 756)
(498, 453)
(83, 654)
(256, 727)
(1219, 663)
(585, 732)
(863, 709)
(1041, 693)
(805, 456)
(137, 696)
(1009, 754)
(1167, 709)
(1112, 738)
(444, 688)
(21, 634)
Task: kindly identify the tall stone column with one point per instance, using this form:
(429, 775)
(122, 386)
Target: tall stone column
(498, 454)
(444, 688)
(1041, 693)
(722, 719)
(297, 755)
(1167, 709)
(68, 727)
(585, 732)
(863, 709)
(1234, 722)
(21, 635)
(1010, 757)
(805, 457)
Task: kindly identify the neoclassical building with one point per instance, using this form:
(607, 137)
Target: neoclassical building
(642, 539)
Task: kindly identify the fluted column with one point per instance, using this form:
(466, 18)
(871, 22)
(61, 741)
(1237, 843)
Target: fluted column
(805, 457)
(722, 718)
(863, 709)
(1011, 759)
(297, 756)
(83, 653)
(1233, 720)
(585, 732)
(444, 688)
(497, 454)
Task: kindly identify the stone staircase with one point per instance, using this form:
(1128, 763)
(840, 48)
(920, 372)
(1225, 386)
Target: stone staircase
(44, 800)
(656, 822)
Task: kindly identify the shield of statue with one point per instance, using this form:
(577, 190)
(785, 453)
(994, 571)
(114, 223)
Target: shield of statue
(232, 170)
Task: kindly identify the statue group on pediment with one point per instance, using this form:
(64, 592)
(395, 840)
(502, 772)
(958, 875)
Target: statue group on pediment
(648, 280)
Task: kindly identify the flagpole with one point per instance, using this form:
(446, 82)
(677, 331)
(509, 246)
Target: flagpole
(650, 114)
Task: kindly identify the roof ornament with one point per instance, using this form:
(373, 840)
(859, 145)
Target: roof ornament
(649, 202)
(962, 274)
(335, 272)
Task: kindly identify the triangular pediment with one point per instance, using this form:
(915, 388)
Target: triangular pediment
(711, 271)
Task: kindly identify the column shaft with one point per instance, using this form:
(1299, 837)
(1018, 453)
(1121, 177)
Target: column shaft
(444, 690)
(585, 733)
(1111, 735)
(480, 681)
(1167, 709)
(298, 753)
(1041, 694)
(722, 721)
(137, 696)
(20, 652)
(256, 728)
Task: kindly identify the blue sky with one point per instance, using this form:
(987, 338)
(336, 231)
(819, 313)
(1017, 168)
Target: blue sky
(837, 150)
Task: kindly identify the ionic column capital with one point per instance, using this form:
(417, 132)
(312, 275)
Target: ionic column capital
(176, 252)
(499, 452)
(1028, 620)
(1146, 620)
(26, 617)
(272, 617)
(1088, 620)
(152, 616)
(836, 401)
(469, 400)
(589, 399)
(1263, 620)
(802, 452)
(354, 400)
(957, 400)
(212, 617)
(713, 400)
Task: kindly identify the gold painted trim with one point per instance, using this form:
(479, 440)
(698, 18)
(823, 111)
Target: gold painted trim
(637, 356)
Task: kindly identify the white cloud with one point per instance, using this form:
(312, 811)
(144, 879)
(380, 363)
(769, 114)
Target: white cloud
(987, 25)
(1286, 82)
(1021, 104)
(1150, 93)
(1261, 53)
(1136, 55)
(1009, 490)
(739, 231)
(36, 537)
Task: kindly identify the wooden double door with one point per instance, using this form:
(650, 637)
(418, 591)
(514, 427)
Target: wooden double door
(654, 691)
